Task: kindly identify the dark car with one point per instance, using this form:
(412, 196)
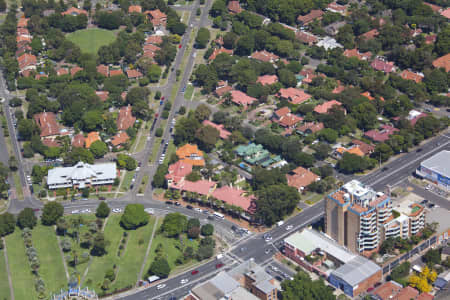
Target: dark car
(194, 272)
(169, 202)
(384, 169)
(419, 150)
(189, 207)
(101, 198)
(177, 203)
(234, 228)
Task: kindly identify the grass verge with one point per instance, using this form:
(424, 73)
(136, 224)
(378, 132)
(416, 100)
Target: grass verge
(22, 278)
(18, 185)
(126, 182)
(189, 91)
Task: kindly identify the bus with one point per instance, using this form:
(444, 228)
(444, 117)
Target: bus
(219, 215)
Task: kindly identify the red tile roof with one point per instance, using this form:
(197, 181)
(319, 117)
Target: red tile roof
(301, 178)
(381, 65)
(355, 53)
(407, 293)
(314, 14)
(223, 90)
(47, 123)
(134, 9)
(26, 60)
(103, 95)
(157, 17)
(364, 147)
(306, 37)
(325, 107)
(23, 22)
(339, 89)
(115, 72)
(382, 135)
(202, 187)
(23, 38)
(425, 296)
(446, 13)
(282, 111)
(293, 95)
(443, 62)
(133, 74)
(78, 140)
(289, 120)
(408, 75)
(74, 12)
(62, 71)
(75, 70)
(267, 79)
(369, 35)
(241, 98)
(39, 76)
(334, 7)
(51, 142)
(433, 7)
(22, 31)
(119, 139)
(91, 138)
(264, 56)
(223, 133)
(125, 119)
(234, 7)
(177, 172)
(191, 155)
(311, 127)
(236, 197)
(430, 39)
(218, 51)
(151, 47)
(153, 39)
(103, 69)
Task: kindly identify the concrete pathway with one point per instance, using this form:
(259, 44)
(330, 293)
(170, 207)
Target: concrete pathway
(11, 290)
(148, 250)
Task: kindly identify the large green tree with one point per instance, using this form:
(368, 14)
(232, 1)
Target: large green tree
(51, 212)
(98, 149)
(160, 267)
(26, 218)
(303, 288)
(202, 39)
(274, 202)
(134, 216)
(102, 210)
(174, 224)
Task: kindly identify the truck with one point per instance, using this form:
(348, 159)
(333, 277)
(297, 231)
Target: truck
(152, 278)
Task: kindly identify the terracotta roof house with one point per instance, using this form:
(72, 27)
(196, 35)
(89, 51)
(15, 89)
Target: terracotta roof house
(149, 54)
(217, 51)
(47, 123)
(433, 7)
(75, 70)
(177, 172)
(337, 8)
(355, 53)
(285, 118)
(369, 96)
(191, 154)
(382, 65)
(134, 9)
(223, 133)
(306, 37)
(236, 197)
(446, 13)
(22, 22)
(91, 137)
(115, 72)
(339, 89)
(62, 71)
(23, 31)
(264, 56)
(73, 11)
(308, 75)
(27, 62)
(430, 39)
(78, 140)
(300, 178)
(222, 89)
(51, 142)
(153, 39)
(23, 38)
(408, 75)
(125, 119)
(325, 107)
(370, 35)
(387, 290)
(103, 95)
(157, 17)
(134, 74)
(267, 79)
(234, 7)
(443, 62)
(407, 293)
(39, 76)
(119, 139)
(364, 147)
(313, 15)
(293, 95)
(339, 152)
(310, 127)
(201, 187)
(425, 296)
(241, 98)
(381, 135)
(151, 47)
(103, 69)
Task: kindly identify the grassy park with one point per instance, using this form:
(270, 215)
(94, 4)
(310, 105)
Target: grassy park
(4, 284)
(90, 40)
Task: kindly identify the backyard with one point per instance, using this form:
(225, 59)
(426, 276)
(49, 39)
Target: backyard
(90, 40)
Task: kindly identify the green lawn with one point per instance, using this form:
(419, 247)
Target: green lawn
(18, 185)
(189, 91)
(22, 278)
(131, 260)
(125, 186)
(90, 40)
(170, 249)
(52, 268)
(4, 284)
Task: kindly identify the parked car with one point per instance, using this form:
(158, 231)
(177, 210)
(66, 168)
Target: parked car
(218, 266)
(189, 207)
(194, 272)
(169, 202)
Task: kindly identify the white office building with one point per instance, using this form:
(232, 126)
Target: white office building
(82, 175)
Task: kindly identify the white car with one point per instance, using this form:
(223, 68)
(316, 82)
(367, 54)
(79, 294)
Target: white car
(76, 211)
(116, 210)
(160, 286)
(149, 211)
(197, 209)
(184, 281)
(289, 227)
